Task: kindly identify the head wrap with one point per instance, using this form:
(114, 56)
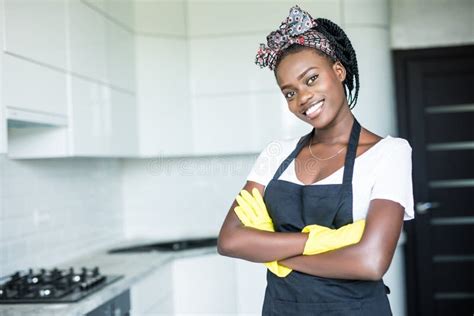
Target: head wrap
(297, 28)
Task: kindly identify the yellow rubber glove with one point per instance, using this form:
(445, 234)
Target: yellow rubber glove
(255, 210)
(322, 239)
(252, 212)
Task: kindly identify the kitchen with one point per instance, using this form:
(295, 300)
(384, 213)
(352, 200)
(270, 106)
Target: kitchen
(114, 134)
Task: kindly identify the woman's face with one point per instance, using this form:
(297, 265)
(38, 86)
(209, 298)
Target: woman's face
(312, 86)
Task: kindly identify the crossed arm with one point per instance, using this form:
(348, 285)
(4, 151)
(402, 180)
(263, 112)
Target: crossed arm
(367, 260)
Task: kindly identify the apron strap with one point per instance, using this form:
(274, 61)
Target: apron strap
(293, 155)
(351, 153)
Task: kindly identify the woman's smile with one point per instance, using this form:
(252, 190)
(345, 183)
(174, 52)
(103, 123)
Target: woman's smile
(314, 110)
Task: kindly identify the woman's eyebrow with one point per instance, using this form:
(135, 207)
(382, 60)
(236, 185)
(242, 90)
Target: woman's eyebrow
(299, 77)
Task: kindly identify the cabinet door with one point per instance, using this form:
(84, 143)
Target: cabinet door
(121, 124)
(251, 283)
(165, 114)
(88, 102)
(150, 294)
(204, 285)
(36, 30)
(120, 56)
(104, 120)
(87, 41)
(45, 88)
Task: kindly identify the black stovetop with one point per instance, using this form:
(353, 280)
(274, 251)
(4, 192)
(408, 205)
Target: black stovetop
(52, 286)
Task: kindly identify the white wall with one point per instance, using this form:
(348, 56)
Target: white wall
(431, 23)
(55, 209)
(169, 198)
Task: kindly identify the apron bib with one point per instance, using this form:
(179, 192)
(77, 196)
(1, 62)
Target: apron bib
(292, 207)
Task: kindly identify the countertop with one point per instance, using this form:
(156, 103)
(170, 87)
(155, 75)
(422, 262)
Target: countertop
(134, 267)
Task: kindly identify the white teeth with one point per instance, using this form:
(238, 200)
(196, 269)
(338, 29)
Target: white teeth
(314, 107)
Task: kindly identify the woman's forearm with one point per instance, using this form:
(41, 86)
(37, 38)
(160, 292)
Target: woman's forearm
(356, 262)
(261, 246)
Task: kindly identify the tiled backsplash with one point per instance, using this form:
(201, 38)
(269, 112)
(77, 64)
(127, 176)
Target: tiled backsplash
(167, 198)
(54, 209)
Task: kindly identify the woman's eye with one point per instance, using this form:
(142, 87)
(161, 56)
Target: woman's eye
(289, 95)
(312, 79)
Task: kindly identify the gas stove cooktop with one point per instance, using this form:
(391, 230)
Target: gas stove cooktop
(52, 286)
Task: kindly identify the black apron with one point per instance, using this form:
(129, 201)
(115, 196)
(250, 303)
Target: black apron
(292, 207)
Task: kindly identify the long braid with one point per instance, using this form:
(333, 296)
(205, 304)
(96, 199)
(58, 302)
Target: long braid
(345, 53)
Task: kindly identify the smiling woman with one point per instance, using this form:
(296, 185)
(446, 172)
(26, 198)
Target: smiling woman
(326, 224)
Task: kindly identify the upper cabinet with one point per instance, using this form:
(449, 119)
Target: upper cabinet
(87, 41)
(120, 53)
(103, 120)
(46, 89)
(162, 79)
(35, 59)
(36, 30)
(69, 79)
(137, 79)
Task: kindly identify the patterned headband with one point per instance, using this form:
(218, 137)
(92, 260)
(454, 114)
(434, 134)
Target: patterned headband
(297, 28)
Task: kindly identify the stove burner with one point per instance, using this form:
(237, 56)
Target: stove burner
(52, 286)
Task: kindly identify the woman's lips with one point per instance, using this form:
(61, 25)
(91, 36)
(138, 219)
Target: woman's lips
(315, 110)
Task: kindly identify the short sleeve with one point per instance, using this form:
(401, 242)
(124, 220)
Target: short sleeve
(393, 178)
(269, 159)
(261, 170)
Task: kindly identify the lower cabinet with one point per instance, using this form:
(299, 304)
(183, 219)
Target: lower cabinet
(117, 306)
(203, 285)
(153, 294)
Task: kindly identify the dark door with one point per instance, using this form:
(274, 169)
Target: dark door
(435, 105)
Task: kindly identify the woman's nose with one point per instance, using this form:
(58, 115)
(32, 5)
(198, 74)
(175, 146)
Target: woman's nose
(305, 96)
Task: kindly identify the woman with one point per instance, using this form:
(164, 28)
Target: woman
(318, 187)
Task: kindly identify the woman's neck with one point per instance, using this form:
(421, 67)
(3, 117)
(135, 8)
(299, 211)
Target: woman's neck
(337, 132)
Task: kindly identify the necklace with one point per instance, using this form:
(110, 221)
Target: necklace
(322, 159)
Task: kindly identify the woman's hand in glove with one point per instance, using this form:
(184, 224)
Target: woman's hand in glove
(252, 212)
(322, 239)
(253, 208)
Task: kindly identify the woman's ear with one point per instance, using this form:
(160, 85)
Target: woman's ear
(339, 70)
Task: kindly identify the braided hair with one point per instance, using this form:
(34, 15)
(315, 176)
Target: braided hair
(344, 53)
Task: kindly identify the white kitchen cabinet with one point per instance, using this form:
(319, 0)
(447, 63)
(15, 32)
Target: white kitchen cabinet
(120, 56)
(153, 293)
(204, 285)
(46, 89)
(88, 110)
(87, 41)
(36, 30)
(164, 110)
(251, 282)
(103, 120)
(121, 124)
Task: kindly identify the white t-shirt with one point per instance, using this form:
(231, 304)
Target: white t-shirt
(384, 171)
